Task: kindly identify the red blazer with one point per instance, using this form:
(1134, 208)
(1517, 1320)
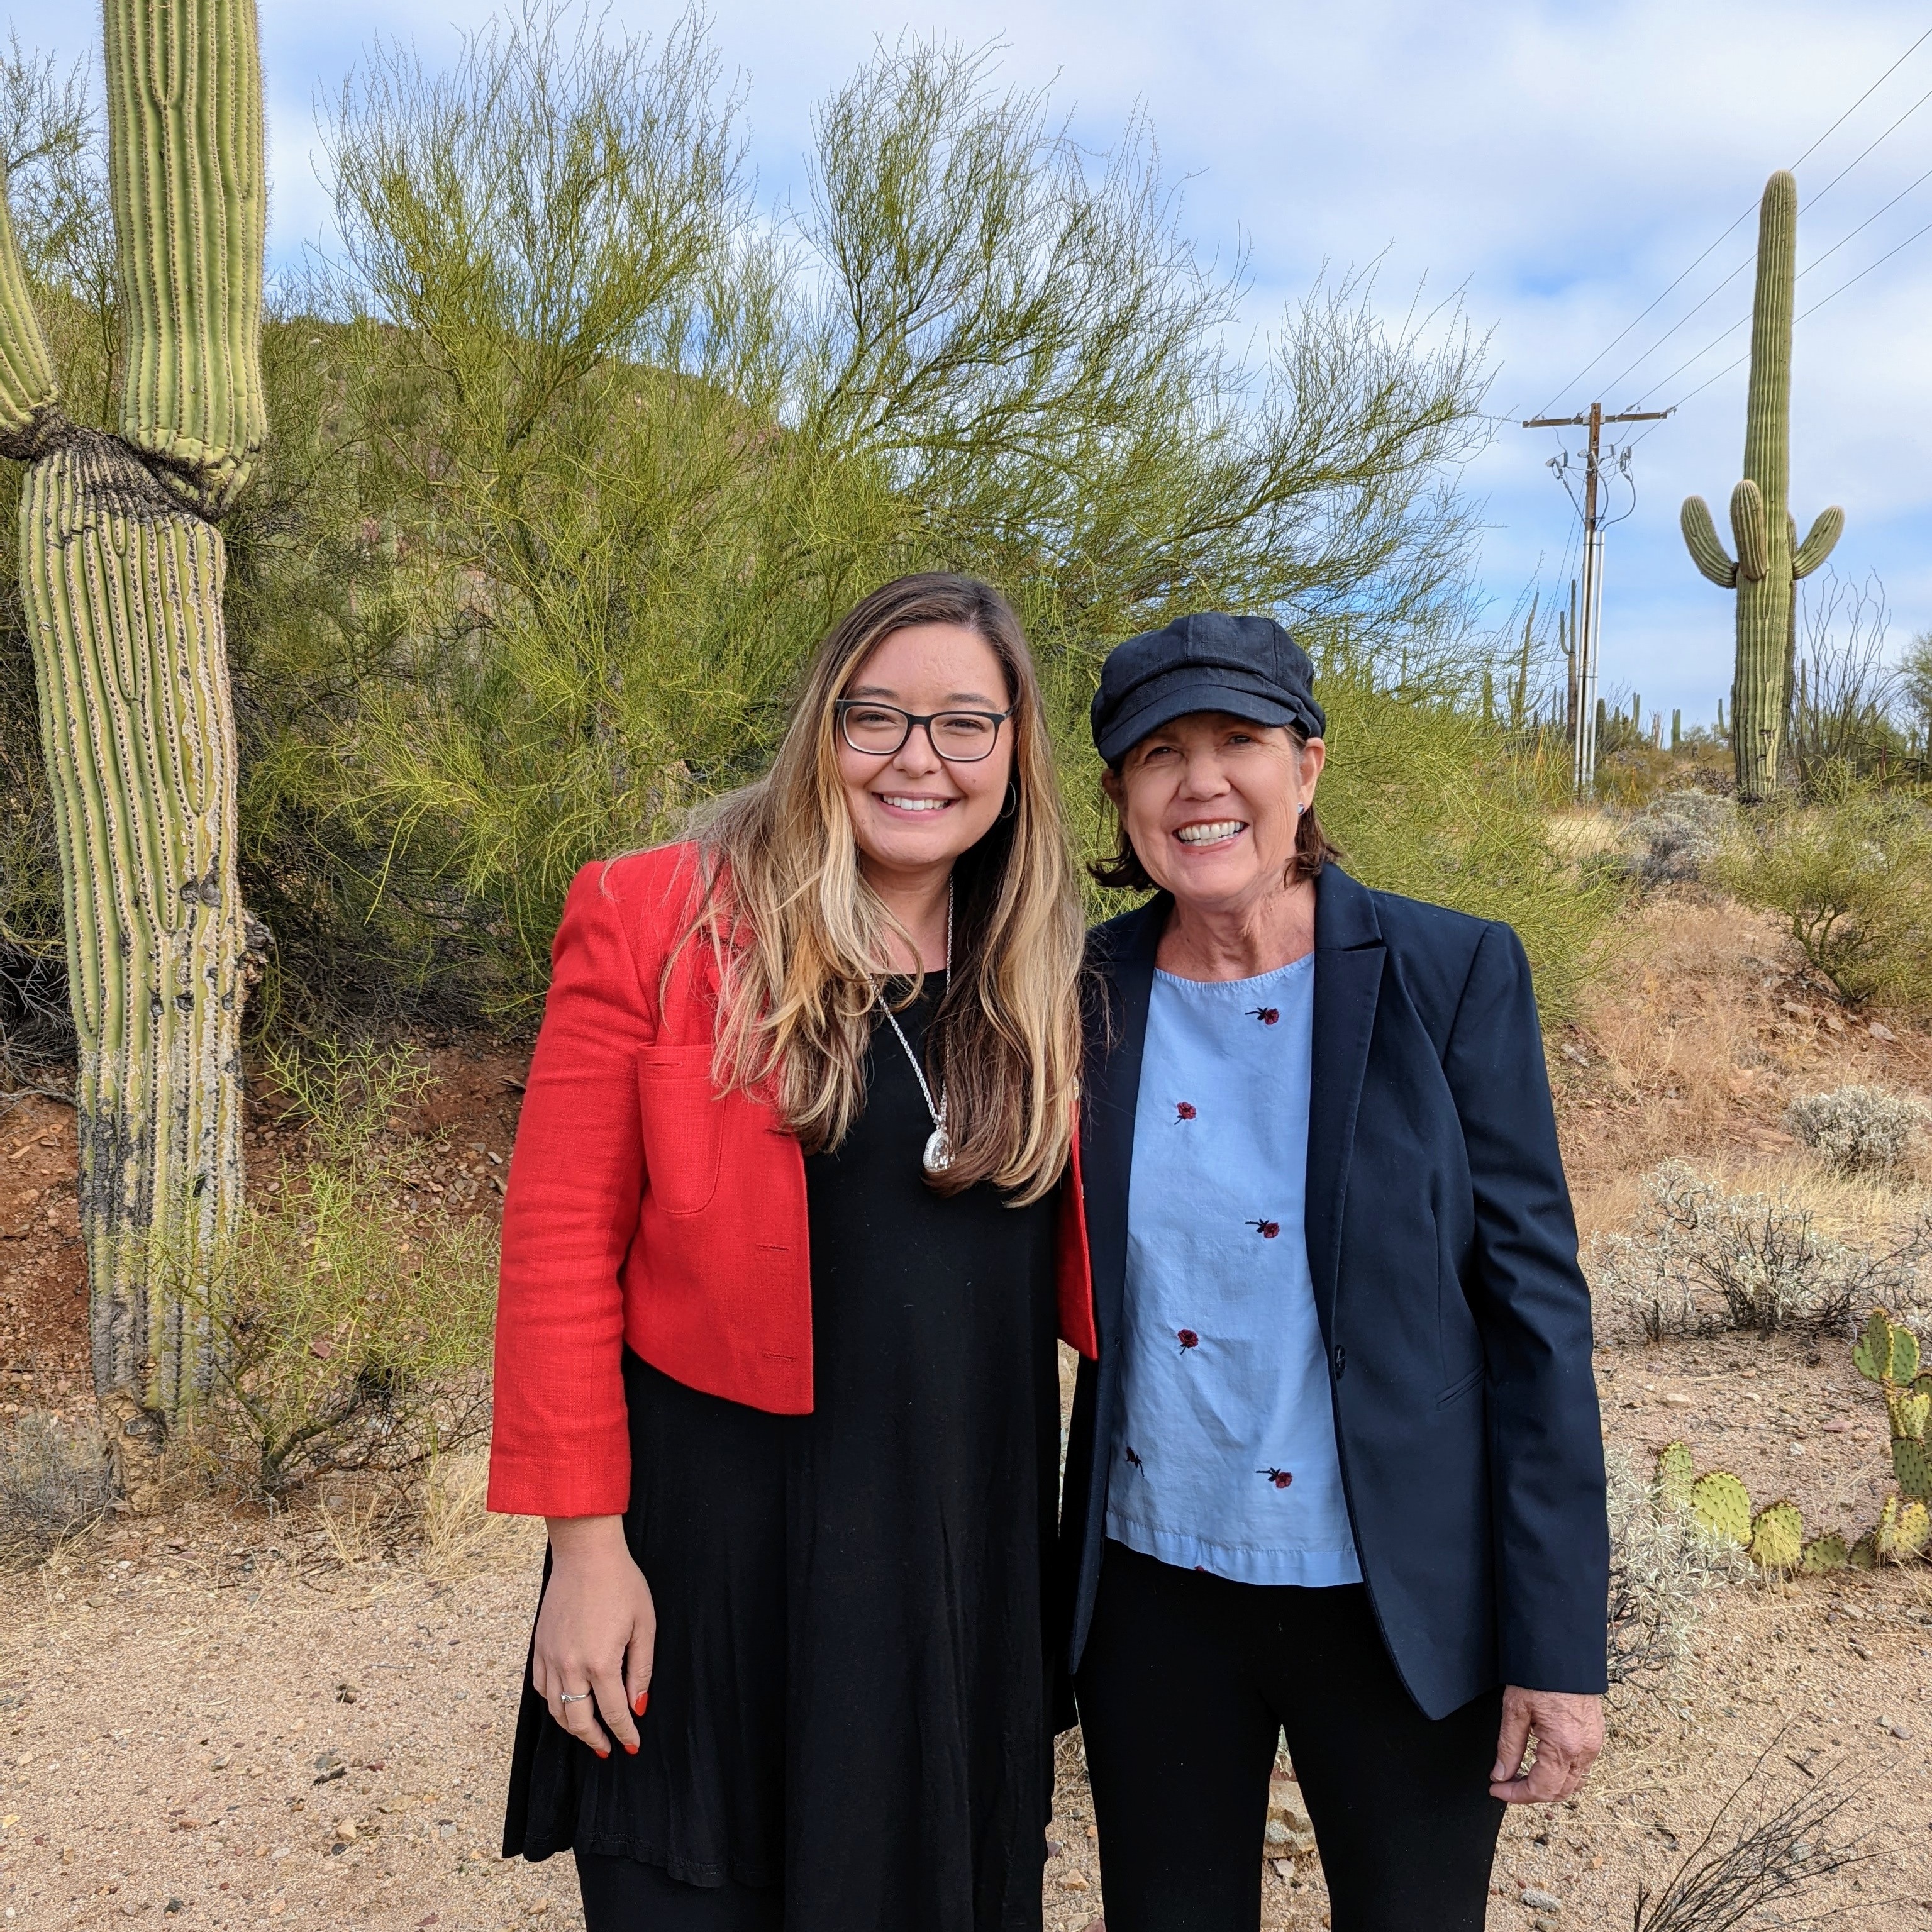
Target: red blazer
(645, 1207)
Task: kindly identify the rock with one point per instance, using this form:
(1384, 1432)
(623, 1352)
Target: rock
(1072, 1881)
(1540, 1901)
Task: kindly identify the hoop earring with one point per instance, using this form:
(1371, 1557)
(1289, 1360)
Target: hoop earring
(1012, 804)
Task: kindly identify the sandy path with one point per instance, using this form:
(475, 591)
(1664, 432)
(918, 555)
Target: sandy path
(164, 1726)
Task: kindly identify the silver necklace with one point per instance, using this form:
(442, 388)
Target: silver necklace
(938, 1155)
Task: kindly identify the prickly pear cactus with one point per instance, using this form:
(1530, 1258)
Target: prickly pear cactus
(1912, 1531)
(1770, 560)
(1902, 1531)
(1777, 1537)
(1723, 1505)
(1907, 1414)
(1887, 1353)
(1872, 1355)
(1675, 1473)
(1863, 1554)
(121, 574)
(1824, 1554)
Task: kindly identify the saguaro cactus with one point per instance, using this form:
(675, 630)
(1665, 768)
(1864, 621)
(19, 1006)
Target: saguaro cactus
(122, 573)
(1770, 559)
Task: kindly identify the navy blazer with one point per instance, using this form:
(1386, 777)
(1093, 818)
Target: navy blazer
(1443, 1254)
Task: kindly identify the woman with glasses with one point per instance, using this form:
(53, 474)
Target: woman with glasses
(786, 1247)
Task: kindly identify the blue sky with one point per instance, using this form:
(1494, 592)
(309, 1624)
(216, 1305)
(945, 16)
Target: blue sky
(1559, 164)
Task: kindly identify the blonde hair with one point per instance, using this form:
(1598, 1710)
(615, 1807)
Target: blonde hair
(800, 935)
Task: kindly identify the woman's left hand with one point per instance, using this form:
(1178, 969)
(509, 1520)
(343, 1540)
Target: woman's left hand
(1568, 1728)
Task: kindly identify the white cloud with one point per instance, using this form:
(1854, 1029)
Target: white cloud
(1562, 165)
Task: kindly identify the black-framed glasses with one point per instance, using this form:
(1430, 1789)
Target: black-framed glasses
(959, 737)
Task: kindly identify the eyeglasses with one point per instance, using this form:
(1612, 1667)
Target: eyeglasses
(959, 737)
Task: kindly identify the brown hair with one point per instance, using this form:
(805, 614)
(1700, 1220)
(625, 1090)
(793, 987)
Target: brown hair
(800, 936)
(1124, 872)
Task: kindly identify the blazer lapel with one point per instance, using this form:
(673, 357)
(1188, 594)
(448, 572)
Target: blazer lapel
(1124, 954)
(1349, 955)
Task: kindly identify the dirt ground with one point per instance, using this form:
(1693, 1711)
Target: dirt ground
(222, 1719)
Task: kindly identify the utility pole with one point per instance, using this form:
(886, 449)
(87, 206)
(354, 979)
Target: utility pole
(1585, 639)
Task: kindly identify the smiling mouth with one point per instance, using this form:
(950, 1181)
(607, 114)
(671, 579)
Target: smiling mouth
(899, 802)
(1212, 833)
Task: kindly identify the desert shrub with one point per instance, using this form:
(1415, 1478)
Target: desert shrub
(1423, 799)
(1676, 835)
(53, 1485)
(1662, 1563)
(1851, 877)
(1759, 1855)
(349, 1334)
(577, 448)
(1858, 1129)
(1701, 1261)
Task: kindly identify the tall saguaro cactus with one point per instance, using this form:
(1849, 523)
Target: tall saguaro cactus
(121, 570)
(1770, 559)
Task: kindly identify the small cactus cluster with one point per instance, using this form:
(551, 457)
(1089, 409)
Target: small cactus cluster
(1773, 1537)
(1886, 1353)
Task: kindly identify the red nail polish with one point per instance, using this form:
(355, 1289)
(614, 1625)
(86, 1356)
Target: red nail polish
(603, 1753)
(643, 1703)
(632, 1749)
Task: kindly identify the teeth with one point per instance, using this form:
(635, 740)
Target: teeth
(1202, 834)
(918, 804)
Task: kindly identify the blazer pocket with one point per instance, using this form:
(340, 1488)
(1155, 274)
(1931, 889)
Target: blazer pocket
(1456, 1391)
(682, 1116)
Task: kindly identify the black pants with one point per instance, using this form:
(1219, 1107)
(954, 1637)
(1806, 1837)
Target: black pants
(1187, 1684)
(621, 1895)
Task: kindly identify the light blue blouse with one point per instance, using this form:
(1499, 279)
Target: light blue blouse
(1226, 1460)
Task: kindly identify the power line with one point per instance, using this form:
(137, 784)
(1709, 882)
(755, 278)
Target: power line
(1745, 217)
(1863, 152)
(1812, 311)
(1799, 317)
(1812, 202)
(1866, 223)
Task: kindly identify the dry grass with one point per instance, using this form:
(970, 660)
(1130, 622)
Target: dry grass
(1693, 1043)
(460, 1537)
(53, 1487)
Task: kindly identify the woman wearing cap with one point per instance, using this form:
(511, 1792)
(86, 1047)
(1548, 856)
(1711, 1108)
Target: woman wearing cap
(1338, 1469)
(783, 1252)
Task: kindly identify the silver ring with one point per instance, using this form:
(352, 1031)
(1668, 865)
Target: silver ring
(572, 1697)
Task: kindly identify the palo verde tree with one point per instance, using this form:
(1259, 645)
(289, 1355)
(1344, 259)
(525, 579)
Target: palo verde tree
(122, 575)
(1770, 559)
(629, 441)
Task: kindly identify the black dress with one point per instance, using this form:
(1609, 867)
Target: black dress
(849, 1699)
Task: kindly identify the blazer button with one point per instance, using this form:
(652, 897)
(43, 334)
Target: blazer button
(1341, 1361)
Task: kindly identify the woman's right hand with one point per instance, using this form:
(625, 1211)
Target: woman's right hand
(596, 1632)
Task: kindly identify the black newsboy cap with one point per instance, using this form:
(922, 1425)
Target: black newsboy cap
(1248, 667)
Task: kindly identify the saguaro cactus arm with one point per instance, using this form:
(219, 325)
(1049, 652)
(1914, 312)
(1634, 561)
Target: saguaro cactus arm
(185, 173)
(1706, 547)
(1749, 528)
(28, 393)
(1819, 540)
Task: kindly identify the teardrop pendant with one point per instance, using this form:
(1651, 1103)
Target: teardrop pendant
(938, 1151)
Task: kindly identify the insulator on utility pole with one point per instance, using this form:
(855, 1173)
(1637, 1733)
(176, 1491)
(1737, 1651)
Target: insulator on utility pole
(1586, 711)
